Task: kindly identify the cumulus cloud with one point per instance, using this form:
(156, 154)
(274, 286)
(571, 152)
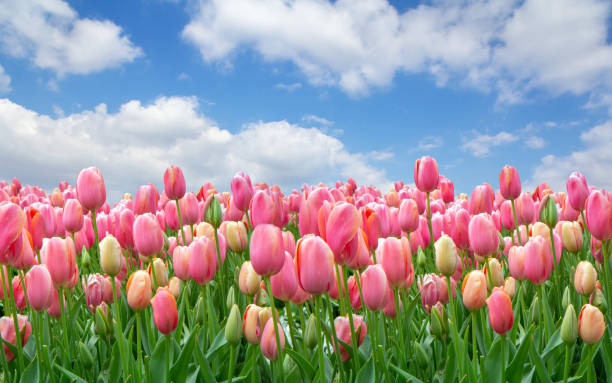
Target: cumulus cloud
(5, 81)
(480, 144)
(289, 87)
(312, 119)
(510, 47)
(594, 160)
(53, 36)
(135, 144)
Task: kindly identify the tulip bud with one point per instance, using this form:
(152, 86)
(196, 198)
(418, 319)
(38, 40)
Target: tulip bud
(110, 255)
(230, 300)
(571, 234)
(446, 255)
(548, 211)
(567, 300)
(510, 287)
(494, 273)
(585, 278)
(421, 355)
(534, 309)
(474, 290)
(85, 258)
(174, 285)
(199, 310)
(591, 324)
(310, 335)
(85, 354)
(100, 322)
(159, 272)
(213, 213)
(268, 340)
(438, 327)
(569, 326)
(233, 327)
(421, 259)
(248, 280)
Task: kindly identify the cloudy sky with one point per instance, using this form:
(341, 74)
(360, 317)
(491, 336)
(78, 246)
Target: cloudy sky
(295, 91)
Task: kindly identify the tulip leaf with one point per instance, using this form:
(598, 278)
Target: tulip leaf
(219, 342)
(554, 342)
(406, 375)
(493, 361)
(73, 377)
(450, 369)
(539, 365)
(366, 373)
(526, 378)
(304, 364)
(515, 369)
(115, 364)
(157, 366)
(205, 370)
(31, 373)
(179, 370)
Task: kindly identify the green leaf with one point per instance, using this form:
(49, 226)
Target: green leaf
(115, 364)
(219, 342)
(406, 375)
(493, 361)
(366, 374)
(73, 377)
(526, 378)
(31, 373)
(554, 342)
(205, 370)
(539, 365)
(157, 366)
(450, 369)
(179, 370)
(304, 364)
(515, 369)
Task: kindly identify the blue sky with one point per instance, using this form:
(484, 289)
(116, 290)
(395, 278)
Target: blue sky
(305, 91)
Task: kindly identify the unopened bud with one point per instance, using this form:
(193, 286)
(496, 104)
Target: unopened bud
(567, 299)
(231, 298)
(569, 326)
(310, 335)
(421, 259)
(85, 355)
(534, 310)
(233, 327)
(213, 213)
(421, 355)
(548, 212)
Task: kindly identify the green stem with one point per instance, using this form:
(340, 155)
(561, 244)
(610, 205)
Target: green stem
(6, 306)
(338, 280)
(95, 228)
(516, 224)
(278, 344)
(503, 358)
(542, 316)
(474, 344)
(221, 269)
(139, 342)
(169, 340)
(586, 229)
(399, 326)
(319, 340)
(454, 323)
(230, 371)
(590, 362)
(350, 315)
(567, 363)
(178, 212)
(604, 246)
(335, 338)
(67, 357)
(431, 238)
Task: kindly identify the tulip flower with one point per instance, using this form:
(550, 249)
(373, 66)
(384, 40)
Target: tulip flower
(591, 324)
(429, 288)
(284, 283)
(268, 342)
(501, 316)
(110, 255)
(203, 261)
(148, 237)
(509, 183)
(139, 290)
(180, 262)
(484, 237)
(13, 222)
(8, 333)
(447, 189)
(38, 287)
(494, 273)
(190, 210)
(571, 233)
(481, 200)
(599, 215)
(251, 325)
(266, 249)
(394, 256)
(314, 263)
(60, 258)
(236, 235)
(426, 176)
(538, 260)
(585, 278)
(516, 262)
(375, 287)
(569, 326)
(341, 227)
(159, 273)
(146, 200)
(90, 188)
(242, 191)
(174, 183)
(248, 280)
(343, 333)
(165, 314)
(446, 255)
(577, 190)
(474, 290)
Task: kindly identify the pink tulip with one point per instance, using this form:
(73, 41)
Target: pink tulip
(509, 183)
(507, 217)
(389, 309)
(38, 287)
(484, 238)
(54, 308)
(342, 225)
(314, 263)
(359, 253)
(353, 292)
(426, 175)
(481, 200)
(371, 226)
(8, 333)
(374, 286)
(146, 200)
(284, 283)
(124, 232)
(18, 293)
(242, 191)
(395, 258)
(268, 340)
(525, 209)
(577, 191)
(203, 261)
(263, 209)
(516, 262)
(266, 249)
(59, 256)
(180, 262)
(171, 215)
(443, 293)
(599, 214)
(501, 316)
(189, 209)
(174, 183)
(408, 216)
(91, 191)
(93, 289)
(474, 290)
(138, 290)
(289, 243)
(538, 259)
(165, 314)
(343, 332)
(429, 289)
(13, 222)
(72, 216)
(148, 237)
(20, 254)
(447, 190)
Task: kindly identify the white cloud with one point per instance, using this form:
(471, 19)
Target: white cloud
(428, 143)
(134, 145)
(480, 144)
(377, 155)
(511, 47)
(51, 34)
(535, 142)
(183, 76)
(289, 87)
(5, 81)
(312, 119)
(594, 160)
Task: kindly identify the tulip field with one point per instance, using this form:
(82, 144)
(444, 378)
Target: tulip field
(329, 283)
